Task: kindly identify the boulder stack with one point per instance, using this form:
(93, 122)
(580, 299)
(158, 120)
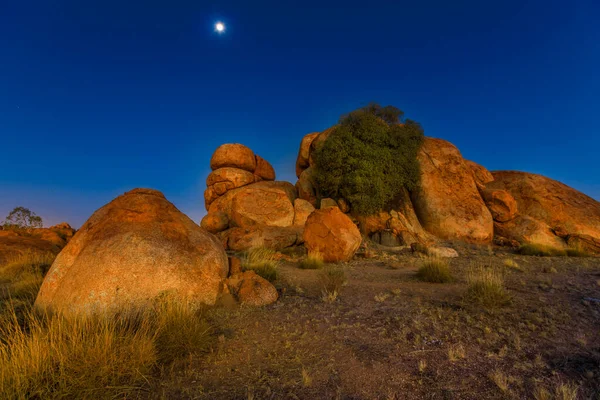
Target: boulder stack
(246, 207)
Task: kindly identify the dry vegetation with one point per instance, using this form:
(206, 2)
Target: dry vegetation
(505, 326)
(261, 260)
(435, 270)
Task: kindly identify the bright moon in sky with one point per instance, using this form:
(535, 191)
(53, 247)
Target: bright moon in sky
(220, 27)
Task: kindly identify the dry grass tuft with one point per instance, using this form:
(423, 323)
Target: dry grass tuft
(540, 250)
(94, 356)
(456, 352)
(23, 274)
(263, 261)
(566, 391)
(512, 264)
(486, 287)
(500, 379)
(312, 261)
(435, 270)
(332, 279)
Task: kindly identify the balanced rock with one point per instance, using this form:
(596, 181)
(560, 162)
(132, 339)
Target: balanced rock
(233, 155)
(448, 203)
(332, 234)
(264, 170)
(130, 251)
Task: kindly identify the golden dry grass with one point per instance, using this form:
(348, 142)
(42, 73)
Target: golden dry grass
(263, 261)
(312, 261)
(486, 286)
(94, 355)
(435, 270)
(22, 276)
(332, 280)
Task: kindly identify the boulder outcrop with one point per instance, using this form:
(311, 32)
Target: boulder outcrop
(448, 203)
(332, 234)
(16, 242)
(130, 251)
(549, 212)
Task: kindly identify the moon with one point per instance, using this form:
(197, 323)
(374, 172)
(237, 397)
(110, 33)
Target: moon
(219, 27)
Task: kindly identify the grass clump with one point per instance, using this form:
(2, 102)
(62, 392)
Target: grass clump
(312, 261)
(435, 270)
(540, 250)
(332, 279)
(23, 274)
(262, 261)
(577, 253)
(512, 264)
(486, 287)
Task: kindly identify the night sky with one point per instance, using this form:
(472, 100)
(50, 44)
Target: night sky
(99, 97)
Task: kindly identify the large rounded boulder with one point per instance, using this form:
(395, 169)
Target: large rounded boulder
(332, 234)
(448, 203)
(130, 251)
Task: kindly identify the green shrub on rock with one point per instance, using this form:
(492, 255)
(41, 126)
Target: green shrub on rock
(369, 158)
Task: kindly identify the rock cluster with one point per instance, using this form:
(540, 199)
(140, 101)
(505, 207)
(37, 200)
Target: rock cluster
(15, 242)
(461, 200)
(246, 207)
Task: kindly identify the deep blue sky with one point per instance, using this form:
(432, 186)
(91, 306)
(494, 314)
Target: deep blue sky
(98, 97)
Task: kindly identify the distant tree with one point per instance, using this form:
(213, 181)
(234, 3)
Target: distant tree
(22, 217)
(369, 158)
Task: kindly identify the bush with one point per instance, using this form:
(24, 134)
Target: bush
(435, 270)
(369, 158)
(332, 279)
(262, 261)
(540, 250)
(486, 287)
(312, 261)
(577, 253)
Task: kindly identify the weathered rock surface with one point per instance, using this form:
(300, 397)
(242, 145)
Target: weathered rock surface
(304, 152)
(305, 187)
(264, 170)
(232, 177)
(130, 251)
(442, 252)
(448, 203)
(549, 212)
(272, 237)
(215, 222)
(251, 289)
(233, 155)
(500, 203)
(302, 209)
(331, 233)
(327, 202)
(480, 174)
(263, 204)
